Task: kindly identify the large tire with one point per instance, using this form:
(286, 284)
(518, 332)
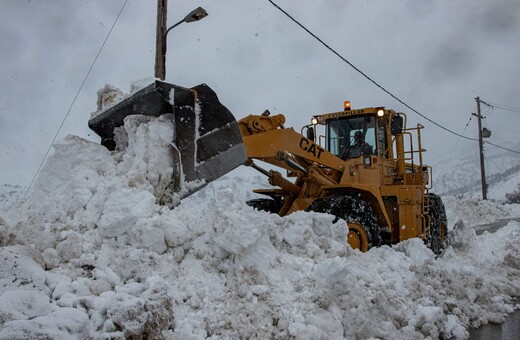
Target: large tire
(438, 239)
(265, 204)
(354, 211)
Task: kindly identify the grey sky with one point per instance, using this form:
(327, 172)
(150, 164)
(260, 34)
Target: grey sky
(435, 55)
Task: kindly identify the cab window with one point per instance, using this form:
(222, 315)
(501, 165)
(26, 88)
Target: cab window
(341, 133)
(381, 138)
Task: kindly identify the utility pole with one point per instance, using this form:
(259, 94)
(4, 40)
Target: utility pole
(160, 40)
(160, 37)
(481, 147)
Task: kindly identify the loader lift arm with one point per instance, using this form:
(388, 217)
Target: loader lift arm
(266, 139)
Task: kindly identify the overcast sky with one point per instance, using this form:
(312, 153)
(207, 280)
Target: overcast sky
(435, 55)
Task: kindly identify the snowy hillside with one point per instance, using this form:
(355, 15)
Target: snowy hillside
(461, 173)
(90, 254)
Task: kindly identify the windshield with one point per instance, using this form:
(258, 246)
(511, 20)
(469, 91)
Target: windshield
(351, 137)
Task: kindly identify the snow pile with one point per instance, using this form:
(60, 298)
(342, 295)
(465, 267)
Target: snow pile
(92, 255)
(471, 209)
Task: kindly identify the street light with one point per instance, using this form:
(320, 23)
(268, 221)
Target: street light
(162, 33)
(195, 15)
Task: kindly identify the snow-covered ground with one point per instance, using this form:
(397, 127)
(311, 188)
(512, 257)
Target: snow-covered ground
(89, 254)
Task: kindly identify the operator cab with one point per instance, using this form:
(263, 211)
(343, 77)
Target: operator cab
(351, 137)
(351, 134)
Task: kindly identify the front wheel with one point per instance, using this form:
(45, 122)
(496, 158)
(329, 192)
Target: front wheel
(265, 204)
(364, 233)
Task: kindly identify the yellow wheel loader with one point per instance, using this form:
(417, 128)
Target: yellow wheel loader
(363, 166)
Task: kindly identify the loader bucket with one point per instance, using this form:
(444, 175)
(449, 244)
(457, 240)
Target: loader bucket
(206, 143)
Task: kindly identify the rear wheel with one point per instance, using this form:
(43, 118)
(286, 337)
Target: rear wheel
(438, 240)
(265, 204)
(364, 232)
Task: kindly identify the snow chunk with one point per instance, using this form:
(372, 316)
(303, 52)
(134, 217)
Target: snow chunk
(463, 237)
(110, 95)
(19, 270)
(23, 305)
(146, 159)
(123, 209)
(249, 243)
(416, 251)
(149, 314)
(107, 97)
(62, 323)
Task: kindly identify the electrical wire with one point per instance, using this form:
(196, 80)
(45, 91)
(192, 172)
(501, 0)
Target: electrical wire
(501, 147)
(489, 110)
(458, 141)
(470, 118)
(74, 100)
(366, 76)
(377, 84)
(502, 107)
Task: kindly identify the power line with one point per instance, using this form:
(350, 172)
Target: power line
(501, 147)
(494, 104)
(503, 107)
(458, 141)
(75, 98)
(489, 110)
(366, 76)
(377, 84)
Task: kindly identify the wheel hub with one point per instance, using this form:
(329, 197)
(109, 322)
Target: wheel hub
(357, 237)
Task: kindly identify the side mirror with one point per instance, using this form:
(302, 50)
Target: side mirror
(310, 133)
(397, 125)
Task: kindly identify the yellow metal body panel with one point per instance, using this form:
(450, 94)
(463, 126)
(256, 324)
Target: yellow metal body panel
(267, 145)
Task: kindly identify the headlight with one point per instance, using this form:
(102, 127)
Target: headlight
(314, 120)
(380, 113)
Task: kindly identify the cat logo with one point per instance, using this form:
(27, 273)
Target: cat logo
(311, 147)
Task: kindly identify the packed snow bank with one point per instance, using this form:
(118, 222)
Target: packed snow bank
(93, 256)
(471, 209)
